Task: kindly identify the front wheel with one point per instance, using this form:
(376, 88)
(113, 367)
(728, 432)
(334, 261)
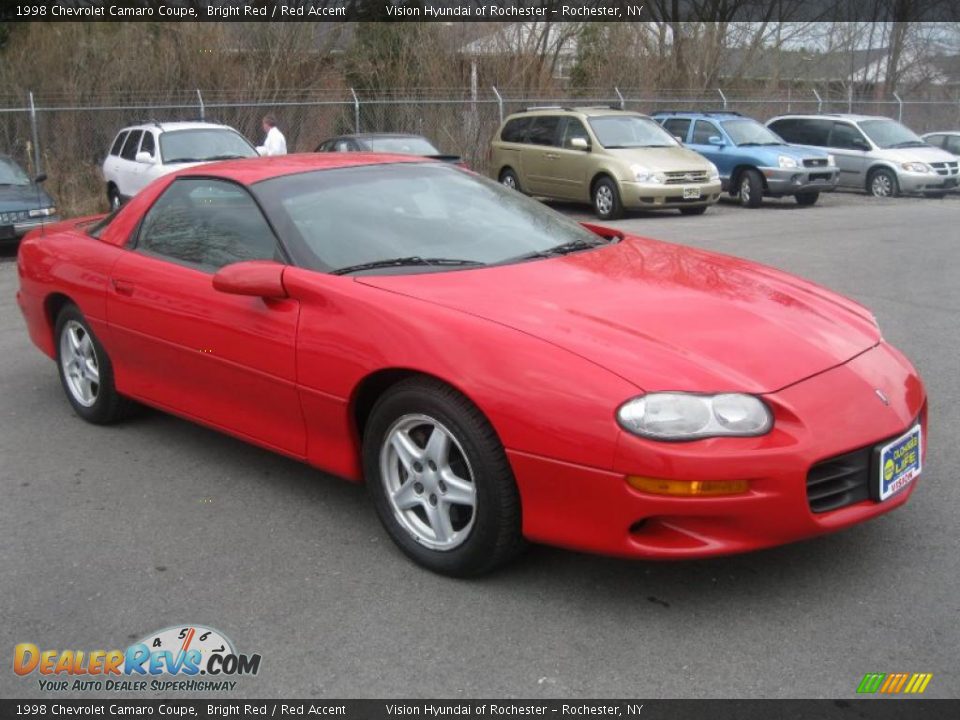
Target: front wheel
(508, 178)
(113, 198)
(807, 198)
(883, 183)
(606, 200)
(440, 480)
(751, 189)
(85, 370)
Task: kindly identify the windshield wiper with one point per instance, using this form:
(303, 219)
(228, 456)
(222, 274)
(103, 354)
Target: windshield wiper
(562, 249)
(183, 160)
(758, 144)
(907, 143)
(411, 261)
(231, 156)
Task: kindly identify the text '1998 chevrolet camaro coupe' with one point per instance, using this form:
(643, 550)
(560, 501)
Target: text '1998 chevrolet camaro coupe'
(494, 371)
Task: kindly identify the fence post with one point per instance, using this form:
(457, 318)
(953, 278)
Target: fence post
(819, 100)
(723, 97)
(622, 103)
(203, 110)
(356, 111)
(36, 136)
(849, 98)
(499, 101)
(899, 107)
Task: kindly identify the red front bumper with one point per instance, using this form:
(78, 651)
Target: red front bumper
(828, 415)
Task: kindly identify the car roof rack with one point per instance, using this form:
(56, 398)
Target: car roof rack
(696, 112)
(545, 107)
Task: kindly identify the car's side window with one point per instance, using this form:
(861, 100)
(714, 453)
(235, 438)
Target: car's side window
(147, 145)
(952, 144)
(803, 132)
(515, 131)
(344, 146)
(677, 127)
(118, 143)
(846, 137)
(207, 223)
(544, 130)
(573, 129)
(703, 131)
(129, 151)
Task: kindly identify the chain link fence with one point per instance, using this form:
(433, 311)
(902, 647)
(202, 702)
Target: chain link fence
(68, 141)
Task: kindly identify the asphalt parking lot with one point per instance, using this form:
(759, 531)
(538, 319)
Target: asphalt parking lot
(111, 533)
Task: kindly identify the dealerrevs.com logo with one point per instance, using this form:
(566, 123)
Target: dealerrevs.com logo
(185, 658)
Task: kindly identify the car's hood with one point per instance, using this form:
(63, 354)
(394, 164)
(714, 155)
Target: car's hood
(927, 154)
(662, 316)
(668, 159)
(772, 152)
(22, 197)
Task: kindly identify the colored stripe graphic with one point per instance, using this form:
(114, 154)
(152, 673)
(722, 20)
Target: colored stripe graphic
(894, 683)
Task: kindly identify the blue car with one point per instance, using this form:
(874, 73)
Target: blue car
(24, 205)
(753, 161)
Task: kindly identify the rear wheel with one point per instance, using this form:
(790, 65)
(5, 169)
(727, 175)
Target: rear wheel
(606, 199)
(440, 479)
(751, 189)
(883, 183)
(113, 197)
(85, 370)
(508, 178)
(807, 198)
(693, 210)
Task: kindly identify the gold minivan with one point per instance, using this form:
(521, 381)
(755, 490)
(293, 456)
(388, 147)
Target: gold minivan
(613, 159)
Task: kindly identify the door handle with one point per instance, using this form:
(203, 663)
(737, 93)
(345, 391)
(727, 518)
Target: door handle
(123, 287)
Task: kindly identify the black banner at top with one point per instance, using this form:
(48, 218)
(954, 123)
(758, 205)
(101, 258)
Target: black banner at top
(479, 10)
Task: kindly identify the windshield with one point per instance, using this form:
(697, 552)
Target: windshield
(629, 131)
(745, 131)
(418, 212)
(401, 145)
(890, 134)
(11, 174)
(204, 144)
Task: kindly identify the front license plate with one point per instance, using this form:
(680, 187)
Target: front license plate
(899, 463)
(691, 193)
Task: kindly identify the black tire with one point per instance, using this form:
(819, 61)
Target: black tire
(113, 197)
(509, 178)
(494, 537)
(882, 183)
(750, 188)
(108, 405)
(606, 199)
(807, 199)
(693, 210)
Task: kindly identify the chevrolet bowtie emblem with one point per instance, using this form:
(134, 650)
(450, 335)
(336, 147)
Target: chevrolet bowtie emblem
(882, 396)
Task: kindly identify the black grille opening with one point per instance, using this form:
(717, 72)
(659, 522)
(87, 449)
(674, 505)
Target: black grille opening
(839, 481)
(815, 162)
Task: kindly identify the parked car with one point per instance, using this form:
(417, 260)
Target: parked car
(392, 143)
(142, 153)
(753, 161)
(612, 159)
(24, 204)
(948, 140)
(874, 153)
(493, 370)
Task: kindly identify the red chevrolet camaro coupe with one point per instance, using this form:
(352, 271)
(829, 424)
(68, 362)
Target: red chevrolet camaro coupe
(494, 371)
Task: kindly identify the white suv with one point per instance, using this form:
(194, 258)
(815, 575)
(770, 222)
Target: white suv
(142, 153)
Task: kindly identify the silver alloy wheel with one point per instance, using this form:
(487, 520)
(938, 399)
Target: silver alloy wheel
(78, 359)
(114, 201)
(745, 190)
(881, 185)
(603, 199)
(429, 482)
(509, 181)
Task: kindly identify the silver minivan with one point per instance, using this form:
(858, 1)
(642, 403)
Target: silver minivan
(874, 153)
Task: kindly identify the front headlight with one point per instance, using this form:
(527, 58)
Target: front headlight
(787, 162)
(831, 160)
(43, 212)
(917, 167)
(643, 174)
(685, 416)
(714, 172)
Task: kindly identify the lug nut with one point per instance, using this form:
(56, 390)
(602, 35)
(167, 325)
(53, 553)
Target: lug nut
(432, 465)
(417, 467)
(443, 486)
(433, 499)
(418, 488)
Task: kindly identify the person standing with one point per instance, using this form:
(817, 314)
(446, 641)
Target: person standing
(275, 143)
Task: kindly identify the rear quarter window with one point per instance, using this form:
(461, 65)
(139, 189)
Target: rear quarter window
(803, 131)
(677, 127)
(515, 130)
(118, 143)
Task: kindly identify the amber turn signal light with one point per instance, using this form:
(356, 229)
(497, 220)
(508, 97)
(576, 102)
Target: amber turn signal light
(687, 488)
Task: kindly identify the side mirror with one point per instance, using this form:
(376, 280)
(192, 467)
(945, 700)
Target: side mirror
(144, 157)
(716, 140)
(40, 178)
(579, 143)
(860, 144)
(256, 278)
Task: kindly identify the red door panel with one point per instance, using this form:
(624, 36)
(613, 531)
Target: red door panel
(225, 359)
